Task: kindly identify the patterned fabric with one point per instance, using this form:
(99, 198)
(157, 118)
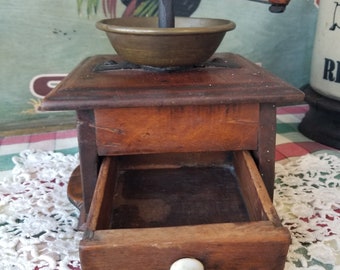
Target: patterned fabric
(307, 199)
(37, 222)
(289, 141)
(60, 141)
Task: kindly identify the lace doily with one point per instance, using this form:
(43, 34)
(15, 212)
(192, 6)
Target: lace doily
(307, 198)
(37, 222)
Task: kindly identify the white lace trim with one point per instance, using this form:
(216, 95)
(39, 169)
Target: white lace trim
(37, 222)
(307, 198)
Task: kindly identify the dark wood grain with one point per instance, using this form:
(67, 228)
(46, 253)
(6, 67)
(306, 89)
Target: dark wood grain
(229, 106)
(148, 234)
(190, 128)
(239, 82)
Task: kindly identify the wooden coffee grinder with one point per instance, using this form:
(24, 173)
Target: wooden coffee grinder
(177, 149)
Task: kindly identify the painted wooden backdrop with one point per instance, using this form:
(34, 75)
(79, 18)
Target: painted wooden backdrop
(41, 41)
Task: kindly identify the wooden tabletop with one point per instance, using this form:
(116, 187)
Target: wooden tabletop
(238, 81)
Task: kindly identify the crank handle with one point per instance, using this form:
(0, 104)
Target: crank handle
(277, 6)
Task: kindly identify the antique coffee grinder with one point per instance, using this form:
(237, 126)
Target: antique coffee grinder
(176, 149)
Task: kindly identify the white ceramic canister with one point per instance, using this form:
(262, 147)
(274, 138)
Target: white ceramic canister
(325, 70)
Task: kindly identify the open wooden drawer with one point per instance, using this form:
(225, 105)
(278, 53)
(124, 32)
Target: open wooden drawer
(149, 211)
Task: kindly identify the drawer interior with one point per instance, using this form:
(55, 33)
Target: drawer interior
(179, 189)
(149, 211)
(174, 197)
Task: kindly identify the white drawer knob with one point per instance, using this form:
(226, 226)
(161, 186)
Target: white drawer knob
(187, 264)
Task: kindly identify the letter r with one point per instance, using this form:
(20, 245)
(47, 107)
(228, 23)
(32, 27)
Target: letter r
(328, 70)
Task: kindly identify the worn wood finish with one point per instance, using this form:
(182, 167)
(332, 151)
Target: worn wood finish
(89, 160)
(255, 194)
(227, 246)
(188, 102)
(100, 215)
(173, 160)
(75, 196)
(239, 82)
(265, 152)
(259, 244)
(175, 197)
(177, 129)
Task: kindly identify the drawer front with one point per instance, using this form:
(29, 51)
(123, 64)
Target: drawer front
(217, 246)
(260, 243)
(176, 129)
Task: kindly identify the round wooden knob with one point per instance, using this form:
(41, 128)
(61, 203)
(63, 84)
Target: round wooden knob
(187, 264)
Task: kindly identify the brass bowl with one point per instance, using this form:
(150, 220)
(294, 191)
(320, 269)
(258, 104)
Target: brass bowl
(139, 40)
